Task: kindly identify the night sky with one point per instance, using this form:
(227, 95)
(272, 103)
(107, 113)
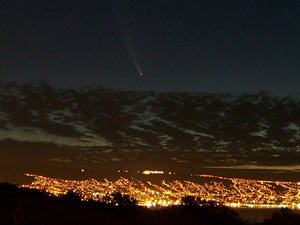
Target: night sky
(199, 46)
(49, 126)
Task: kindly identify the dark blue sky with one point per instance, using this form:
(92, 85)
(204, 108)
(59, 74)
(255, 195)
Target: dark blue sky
(210, 46)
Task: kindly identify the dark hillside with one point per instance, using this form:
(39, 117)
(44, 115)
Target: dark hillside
(20, 206)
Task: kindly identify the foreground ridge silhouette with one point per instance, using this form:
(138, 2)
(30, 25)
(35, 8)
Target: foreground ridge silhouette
(24, 206)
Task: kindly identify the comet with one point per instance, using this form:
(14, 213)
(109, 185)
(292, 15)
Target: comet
(125, 25)
(138, 68)
(133, 57)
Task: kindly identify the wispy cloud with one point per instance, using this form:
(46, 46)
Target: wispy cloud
(107, 151)
(116, 159)
(61, 160)
(259, 167)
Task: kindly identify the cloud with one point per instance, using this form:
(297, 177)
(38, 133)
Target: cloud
(258, 167)
(61, 160)
(107, 151)
(182, 161)
(96, 161)
(116, 159)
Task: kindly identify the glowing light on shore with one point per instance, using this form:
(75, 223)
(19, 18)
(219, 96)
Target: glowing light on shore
(148, 172)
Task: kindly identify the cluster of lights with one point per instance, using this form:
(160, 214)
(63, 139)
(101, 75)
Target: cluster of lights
(148, 172)
(233, 192)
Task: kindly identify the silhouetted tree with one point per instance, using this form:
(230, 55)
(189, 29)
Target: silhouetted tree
(201, 202)
(123, 200)
(211, 203)
(188, 200)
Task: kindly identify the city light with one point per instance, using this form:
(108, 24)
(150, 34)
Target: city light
(232, 192)
(148, 172)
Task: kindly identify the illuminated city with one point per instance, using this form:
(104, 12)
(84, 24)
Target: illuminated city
(232, 192)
